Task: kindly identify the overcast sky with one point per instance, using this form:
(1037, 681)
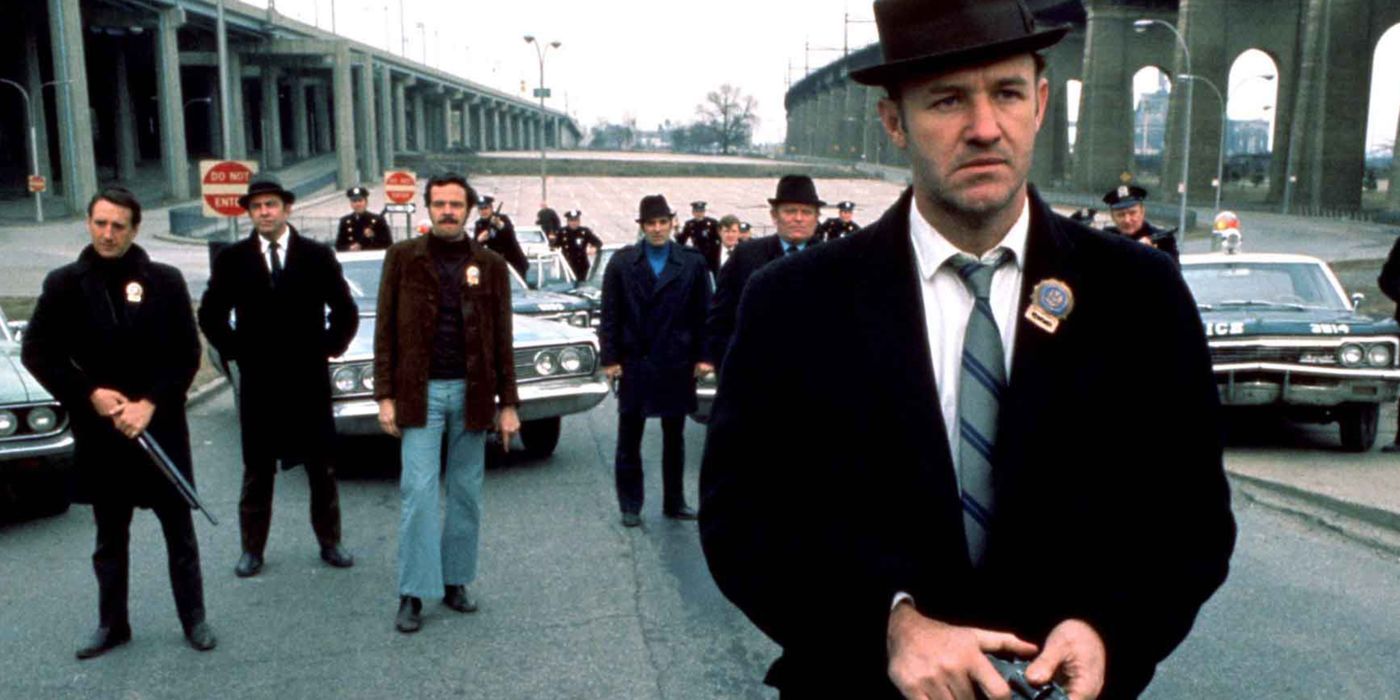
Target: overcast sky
(654, 60)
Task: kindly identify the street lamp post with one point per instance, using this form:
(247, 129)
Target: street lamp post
(1141, 26)
(540, 49)
(1224, 125)
(33, 146)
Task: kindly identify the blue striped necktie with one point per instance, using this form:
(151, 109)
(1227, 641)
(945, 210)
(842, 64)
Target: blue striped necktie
(982, 383)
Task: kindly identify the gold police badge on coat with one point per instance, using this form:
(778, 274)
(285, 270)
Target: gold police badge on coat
(473, 276)
(1051, 302)
(134, 292)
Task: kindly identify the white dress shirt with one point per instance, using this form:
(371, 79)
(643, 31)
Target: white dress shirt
(948, 303)
(266, 247)
(724, 254)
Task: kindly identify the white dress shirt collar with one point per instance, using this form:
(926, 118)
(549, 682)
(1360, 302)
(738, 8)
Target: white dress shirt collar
(932, 250)
(264, 246)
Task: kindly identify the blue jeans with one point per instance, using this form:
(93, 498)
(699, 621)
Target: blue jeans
(433, 553)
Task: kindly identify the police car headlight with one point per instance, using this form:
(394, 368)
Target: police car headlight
(367, 378)
(546, 363)
(42, 419)
(345, 379)
(8, 423)
(1379, 355)
(570, 361)
(1351, 355)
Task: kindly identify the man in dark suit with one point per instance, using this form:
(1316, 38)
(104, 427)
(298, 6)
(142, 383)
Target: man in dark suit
(497, 232)
(654, 298)
(362, 229)
(1389, 282)
(795, 209)
(1126, 207)
(280, 285)
(888, 554)
(113, 339)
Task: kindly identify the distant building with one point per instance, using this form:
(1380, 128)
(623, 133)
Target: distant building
(1247, 137)
(1150, 123)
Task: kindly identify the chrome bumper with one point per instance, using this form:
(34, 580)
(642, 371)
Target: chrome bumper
(1275, 383)
(547, 399)
(57, 445)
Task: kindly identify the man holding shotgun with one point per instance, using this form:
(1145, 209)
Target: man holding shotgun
(113, 338)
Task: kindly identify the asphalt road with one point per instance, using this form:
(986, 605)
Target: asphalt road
(574, 605)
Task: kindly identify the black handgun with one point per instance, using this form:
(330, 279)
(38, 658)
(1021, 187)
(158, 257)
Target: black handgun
(1014, 671)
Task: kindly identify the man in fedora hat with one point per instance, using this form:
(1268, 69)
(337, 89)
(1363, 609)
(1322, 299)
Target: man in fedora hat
(280, 285)
(1125, 205)
(795, 209)
(655, 293)
(362, 229)
(977, 480)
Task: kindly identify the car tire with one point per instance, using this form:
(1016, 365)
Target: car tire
(540, 437)
(1358, 423)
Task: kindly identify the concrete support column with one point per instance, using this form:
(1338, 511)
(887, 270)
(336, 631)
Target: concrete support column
(447, 140)
(1205, 25)
(301, 121)
(343, 87)
(1104, 137)
(497, 142)
(385, 103)
(34, 82)
(481, 116)
(321, 106)
(400, 117)
(1051, 163)
(78, 165)
(1392, 196)
(271, 118)
(467, 124)
(174, 154)
(1333, 162)
(420, 131)
(368, 138)
(126, 124)
(214, 128)
(237, 119)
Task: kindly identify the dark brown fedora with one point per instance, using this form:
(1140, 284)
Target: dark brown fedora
(653, 206)
(266, 184)
(796, 189)
(926, 36)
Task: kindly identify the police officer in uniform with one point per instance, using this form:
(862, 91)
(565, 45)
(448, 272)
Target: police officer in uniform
(362, 229)
(844, 225)
(1130, 219)
(745, 231)
(578, 243)
(701, 232)
(497, 232)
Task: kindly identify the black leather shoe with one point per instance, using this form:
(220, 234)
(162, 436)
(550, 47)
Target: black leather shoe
(631, 520)
(1392, 448)
(410, 619)
(457, 598)
(248, 565)
(201, 637)
(681, 513)
(103, 639)
(336, 556)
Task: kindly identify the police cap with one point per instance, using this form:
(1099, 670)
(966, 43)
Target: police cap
(573, 214)
(846, 206)
(1124, 196)
(357, 192)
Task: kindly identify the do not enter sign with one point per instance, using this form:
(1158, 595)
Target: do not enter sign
(222, 183)
(400, 186)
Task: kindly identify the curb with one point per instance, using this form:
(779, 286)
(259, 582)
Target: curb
(203, 393)
(1367, 525)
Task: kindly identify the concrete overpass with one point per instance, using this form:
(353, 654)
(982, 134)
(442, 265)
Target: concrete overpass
(1323, 50)
(117, 84)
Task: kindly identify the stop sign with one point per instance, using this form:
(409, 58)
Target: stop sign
(400, 186)
(222, 182)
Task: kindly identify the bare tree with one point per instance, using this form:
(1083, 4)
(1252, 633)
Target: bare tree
(731, 114)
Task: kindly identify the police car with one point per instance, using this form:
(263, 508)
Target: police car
(1285, 336)
(36, 444)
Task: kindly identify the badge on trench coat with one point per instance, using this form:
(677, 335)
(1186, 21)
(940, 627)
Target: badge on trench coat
(473, 276)
(1051, 302)
(134, 292)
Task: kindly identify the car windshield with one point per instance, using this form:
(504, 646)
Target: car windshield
(1278, 285)
(363, 278)
(528, 236)
(548, 273)
(595, 273)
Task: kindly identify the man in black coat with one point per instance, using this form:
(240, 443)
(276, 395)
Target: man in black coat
(654, 298)
(362, 229)
(497, 232)
(796, 210)
(888, 554)
(280, 286)
(113, 339)
(1389, 282)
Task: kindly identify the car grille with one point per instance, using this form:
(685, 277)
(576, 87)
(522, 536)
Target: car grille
(1253, 353)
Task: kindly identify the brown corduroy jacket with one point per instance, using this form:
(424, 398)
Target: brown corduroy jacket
(403, 335)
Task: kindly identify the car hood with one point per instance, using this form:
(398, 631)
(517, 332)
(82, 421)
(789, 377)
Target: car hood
(540, 302)
(17, 385)
(527, 331)
(1254, 321)
(588, 291)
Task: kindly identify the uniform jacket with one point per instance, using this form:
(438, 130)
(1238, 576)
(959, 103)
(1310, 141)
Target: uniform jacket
(502, 241)
(282, 341)
(1162, 239)
(406, 322)
(703, 234)
(746, 259)
(654, 327)
(573, 243)
(835, 228)
(1100, 516)
(144, 346)
(369, 230)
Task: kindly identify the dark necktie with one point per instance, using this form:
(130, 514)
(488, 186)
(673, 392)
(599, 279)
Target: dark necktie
(276, 263)
(981, 385)
(790, 249)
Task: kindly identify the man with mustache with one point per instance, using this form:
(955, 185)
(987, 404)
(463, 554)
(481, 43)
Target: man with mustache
(293, 313)
(973, 477)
